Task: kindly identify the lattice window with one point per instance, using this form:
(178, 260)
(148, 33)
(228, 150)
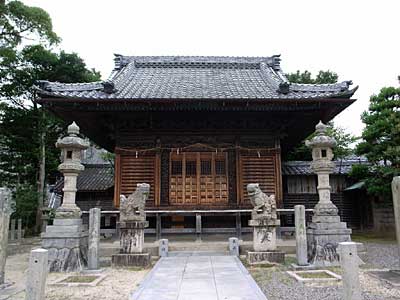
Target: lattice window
(220, 167)
(206, 167)
(198, 178)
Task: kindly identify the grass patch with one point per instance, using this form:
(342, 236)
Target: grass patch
(314, 275)
(80, 279)
(373, 237)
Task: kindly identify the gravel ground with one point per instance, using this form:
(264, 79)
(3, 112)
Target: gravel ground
(382, 255)
(277, 285)
(118, 284)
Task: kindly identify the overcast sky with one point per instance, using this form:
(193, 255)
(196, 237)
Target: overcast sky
(359, 40)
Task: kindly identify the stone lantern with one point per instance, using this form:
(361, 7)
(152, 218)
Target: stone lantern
(326, 230)
(67, 238)
(71, 148)
(322, 165)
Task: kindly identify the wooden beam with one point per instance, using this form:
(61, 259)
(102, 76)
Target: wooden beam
(157, 180)
(117, 179)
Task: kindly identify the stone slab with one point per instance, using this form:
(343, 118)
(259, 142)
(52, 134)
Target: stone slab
(134, 224)
(389, 276)
(254, 258)
(264, 222)
(198, 277)
(131, 260)
(60, 282)
(63, 229)
(325, 219)
(8, 290)
(332, 277)
(66, 222)
(338, 231)
(64, 235)
(296, 267)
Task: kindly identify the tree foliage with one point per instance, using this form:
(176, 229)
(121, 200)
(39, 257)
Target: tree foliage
(20, 125)
(381, 142)
(28, 133)
(19, 22)
(306, 77)
(344, 139)
(343, 147)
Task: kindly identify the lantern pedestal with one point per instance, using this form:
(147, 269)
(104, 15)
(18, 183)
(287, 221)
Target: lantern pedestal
(67, 243)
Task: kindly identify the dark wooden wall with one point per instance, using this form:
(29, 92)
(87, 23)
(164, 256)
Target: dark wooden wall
(250, 158)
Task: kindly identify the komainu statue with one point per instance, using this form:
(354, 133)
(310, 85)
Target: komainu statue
(132, 208)
(264, 206)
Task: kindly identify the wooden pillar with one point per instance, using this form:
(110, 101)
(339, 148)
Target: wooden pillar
(117, 179)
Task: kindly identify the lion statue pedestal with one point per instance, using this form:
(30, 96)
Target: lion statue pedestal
(132, 223)
(264, 222)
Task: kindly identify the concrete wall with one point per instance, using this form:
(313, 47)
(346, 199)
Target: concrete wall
(383, 218)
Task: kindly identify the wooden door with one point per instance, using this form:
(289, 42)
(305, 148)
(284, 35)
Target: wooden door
(198, 178)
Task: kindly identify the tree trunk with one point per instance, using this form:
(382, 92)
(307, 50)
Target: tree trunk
(42, 170)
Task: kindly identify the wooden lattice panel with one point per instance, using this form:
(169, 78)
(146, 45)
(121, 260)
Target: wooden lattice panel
(261, 169)
(198, 178)
(131, 170)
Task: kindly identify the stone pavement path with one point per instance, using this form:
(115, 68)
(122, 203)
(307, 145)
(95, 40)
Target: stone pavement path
(196, 276)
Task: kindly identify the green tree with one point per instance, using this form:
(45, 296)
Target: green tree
(28, 153)
(344, 139)
(306, 77)
(28, 132)
(20, 22)
(343, 147)
(381, 142)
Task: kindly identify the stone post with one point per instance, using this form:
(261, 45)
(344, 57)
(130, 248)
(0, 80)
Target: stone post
(132, 222)
(349, 262)
(5, 211)
(94, 238)
(301, 235)
(19, 230)
(326, 230)
(198, 227)
(396, 207)
(234, 246)
(67, 239)
(37, 273)
(163, 248)
(12, 230)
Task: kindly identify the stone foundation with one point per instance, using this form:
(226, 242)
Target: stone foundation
(131, 260)
(265, 257)
(67, 243)
(323, 240)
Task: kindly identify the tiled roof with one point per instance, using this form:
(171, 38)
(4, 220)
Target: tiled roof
(303, 167)
(94, 156)
(93, 178)
(197, 77)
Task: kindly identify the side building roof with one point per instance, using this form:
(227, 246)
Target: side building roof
(342, 167)
(194, 77)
